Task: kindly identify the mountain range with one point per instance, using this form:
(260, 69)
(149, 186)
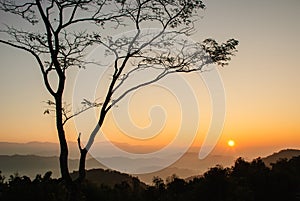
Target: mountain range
(29, 160)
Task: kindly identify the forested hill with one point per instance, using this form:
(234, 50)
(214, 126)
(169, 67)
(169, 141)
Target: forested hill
(283, 154)
(110, 178)
(247, 181)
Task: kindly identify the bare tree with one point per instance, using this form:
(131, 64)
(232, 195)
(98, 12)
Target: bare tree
(59, 33)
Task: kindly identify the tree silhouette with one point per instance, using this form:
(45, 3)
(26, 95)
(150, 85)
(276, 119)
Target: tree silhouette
(59, 33)
(251, 178)
(285, 179)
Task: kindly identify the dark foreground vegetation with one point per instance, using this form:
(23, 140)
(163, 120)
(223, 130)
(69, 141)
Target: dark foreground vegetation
(245, 181)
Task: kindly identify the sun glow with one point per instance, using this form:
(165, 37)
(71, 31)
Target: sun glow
(231, 143)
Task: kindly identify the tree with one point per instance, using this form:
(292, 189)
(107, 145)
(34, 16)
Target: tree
(59, 33)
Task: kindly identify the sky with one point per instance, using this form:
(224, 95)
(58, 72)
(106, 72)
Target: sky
(261, 85)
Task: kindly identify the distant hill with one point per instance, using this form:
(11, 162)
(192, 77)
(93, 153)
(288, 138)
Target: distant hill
(52, 149)
(31, 165)
(188, 165)
(13, 159)
(37, 148)
(286, 153)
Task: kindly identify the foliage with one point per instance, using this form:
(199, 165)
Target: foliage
(41, 188)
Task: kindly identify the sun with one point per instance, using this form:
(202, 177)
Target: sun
(231, 143)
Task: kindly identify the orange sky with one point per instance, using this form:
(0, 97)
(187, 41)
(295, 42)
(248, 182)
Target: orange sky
(261, 84)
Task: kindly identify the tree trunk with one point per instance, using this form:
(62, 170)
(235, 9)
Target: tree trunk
(73, 189)
(81, 176)
(63, 158)
(84, 151)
